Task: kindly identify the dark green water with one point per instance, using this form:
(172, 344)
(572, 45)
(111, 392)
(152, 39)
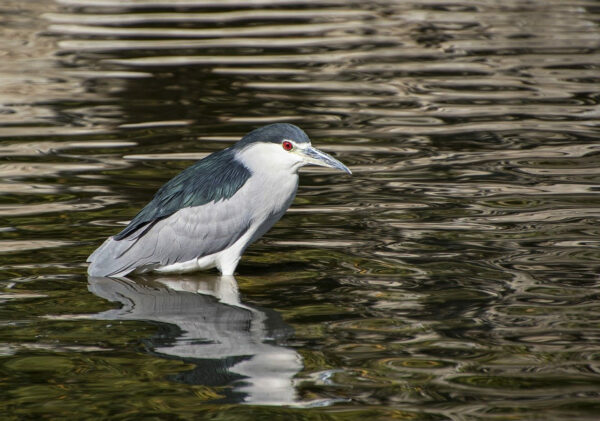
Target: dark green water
(454, 276)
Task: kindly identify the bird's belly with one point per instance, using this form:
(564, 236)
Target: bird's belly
(200, 263)
(226, 259)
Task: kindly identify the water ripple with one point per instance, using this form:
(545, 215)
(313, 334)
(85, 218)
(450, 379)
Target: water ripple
(454, 276)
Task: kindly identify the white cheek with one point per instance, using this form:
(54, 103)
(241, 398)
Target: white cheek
(259, 157)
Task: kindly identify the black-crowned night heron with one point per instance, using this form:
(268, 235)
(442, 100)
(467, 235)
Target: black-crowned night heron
(209, 213)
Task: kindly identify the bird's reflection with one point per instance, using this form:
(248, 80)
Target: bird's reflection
(229, 342)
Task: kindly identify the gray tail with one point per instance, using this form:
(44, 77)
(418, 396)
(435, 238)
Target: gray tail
(110, 259)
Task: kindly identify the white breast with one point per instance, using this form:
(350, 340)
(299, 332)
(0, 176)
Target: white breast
(272, 187)
(262, 201)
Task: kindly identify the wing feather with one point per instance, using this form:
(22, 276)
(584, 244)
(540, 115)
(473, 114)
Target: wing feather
(217, 177)
(185, 235)
(192, 215)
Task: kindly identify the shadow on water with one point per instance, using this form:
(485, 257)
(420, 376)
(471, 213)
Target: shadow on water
(233, 346)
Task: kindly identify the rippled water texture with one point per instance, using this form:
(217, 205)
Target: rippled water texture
(453, 276)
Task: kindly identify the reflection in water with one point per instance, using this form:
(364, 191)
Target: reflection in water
(455, 276)
(230, 343)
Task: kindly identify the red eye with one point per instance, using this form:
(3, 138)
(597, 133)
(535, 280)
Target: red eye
(287, 145)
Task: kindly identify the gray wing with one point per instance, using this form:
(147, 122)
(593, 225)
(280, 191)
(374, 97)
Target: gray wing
(212, 179)
(186, 234)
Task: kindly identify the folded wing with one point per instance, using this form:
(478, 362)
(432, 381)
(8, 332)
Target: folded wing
(193, 215)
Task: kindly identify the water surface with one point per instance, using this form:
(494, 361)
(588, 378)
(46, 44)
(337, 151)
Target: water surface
(454, 276)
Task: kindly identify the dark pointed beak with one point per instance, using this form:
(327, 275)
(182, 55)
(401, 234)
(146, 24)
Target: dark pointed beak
(314, 156)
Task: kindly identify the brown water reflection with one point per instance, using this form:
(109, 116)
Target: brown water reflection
(454, 276)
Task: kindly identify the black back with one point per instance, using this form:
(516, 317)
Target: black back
(217, 177)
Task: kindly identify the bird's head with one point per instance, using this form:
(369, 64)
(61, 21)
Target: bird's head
(283, 146)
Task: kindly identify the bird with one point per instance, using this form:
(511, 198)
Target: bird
(208, 214)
